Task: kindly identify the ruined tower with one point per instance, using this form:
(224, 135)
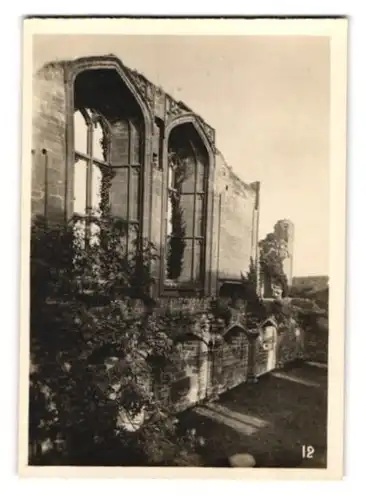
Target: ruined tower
(284, 231)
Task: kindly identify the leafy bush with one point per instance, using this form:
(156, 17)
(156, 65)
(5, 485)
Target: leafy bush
(272, 255)
(312, 308)
(96, 348)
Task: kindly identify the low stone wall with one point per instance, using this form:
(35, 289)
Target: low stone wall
(185, 382)
(208, 369)
(213, 358)
(230, 361)
(205, 370)
(215, 355)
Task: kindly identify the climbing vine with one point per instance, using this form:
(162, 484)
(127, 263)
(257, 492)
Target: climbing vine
(177, 243)
(273, 252)
(96, 348)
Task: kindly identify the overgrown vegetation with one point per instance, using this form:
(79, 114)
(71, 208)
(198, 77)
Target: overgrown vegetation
(304, 309)
(272, 255)
(100, 348)
(177, 243)
(96, 350)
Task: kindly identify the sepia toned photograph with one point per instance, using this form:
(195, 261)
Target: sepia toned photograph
(179, 218)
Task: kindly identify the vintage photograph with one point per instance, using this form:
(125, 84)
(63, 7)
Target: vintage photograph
(179, 250)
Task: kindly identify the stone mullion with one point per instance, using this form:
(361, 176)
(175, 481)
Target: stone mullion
(89, 180)
(194, 218)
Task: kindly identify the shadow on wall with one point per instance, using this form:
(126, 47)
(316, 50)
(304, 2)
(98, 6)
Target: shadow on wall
(231, 290)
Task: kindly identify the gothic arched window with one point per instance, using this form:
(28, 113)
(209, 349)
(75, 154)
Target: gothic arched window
(186, 210)
(125, 190)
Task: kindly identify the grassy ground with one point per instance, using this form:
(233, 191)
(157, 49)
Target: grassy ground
(271, 420)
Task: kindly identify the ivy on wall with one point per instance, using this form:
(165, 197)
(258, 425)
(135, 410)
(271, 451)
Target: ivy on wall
(176, 243)
(81, 321)
(273, 252)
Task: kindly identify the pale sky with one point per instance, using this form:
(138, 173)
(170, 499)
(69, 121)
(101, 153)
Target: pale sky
(267, 98)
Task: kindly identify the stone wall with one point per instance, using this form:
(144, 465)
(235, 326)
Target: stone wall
(279, 243)
(230, 361)
(234, 204)
(218, 356)
(49, 142)
(209, 367)
(213, 365)
(214, 356)
(284, 231)
(236, 228)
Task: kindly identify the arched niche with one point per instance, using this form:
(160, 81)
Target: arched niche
(268, 334)
(269, 322)
(186, 234)
(234, 332)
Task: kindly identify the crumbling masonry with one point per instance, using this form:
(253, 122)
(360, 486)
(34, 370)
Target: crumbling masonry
(147, 139)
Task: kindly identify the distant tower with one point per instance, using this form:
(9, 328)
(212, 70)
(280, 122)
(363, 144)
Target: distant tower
(284, 230)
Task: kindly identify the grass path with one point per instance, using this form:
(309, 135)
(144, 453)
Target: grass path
(272, 419)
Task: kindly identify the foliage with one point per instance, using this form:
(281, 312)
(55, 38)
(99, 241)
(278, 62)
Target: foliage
(272, 254)
(89, 259)
(315, 283)
(95, 349)
(283, 312)
(255, 308)
(311, 304)
(309, 315)
(249, 283)
(259, 309)
(320, 297)
(177, 242)
(221, 310)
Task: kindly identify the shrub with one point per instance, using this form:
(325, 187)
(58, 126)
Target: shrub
(272, 255)
(96, 349)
